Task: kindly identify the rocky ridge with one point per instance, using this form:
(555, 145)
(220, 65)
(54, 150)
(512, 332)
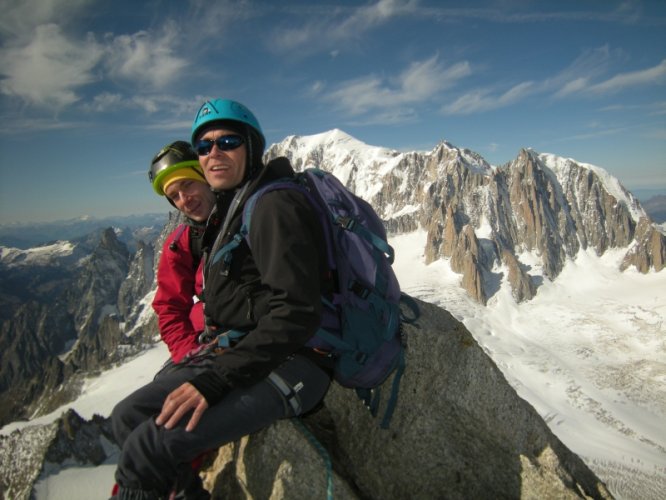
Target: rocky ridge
(29, 455)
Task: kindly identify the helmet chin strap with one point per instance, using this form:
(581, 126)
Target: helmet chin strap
(250, 170)
(254, 162)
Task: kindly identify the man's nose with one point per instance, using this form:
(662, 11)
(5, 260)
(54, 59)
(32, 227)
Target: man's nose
(185, 195)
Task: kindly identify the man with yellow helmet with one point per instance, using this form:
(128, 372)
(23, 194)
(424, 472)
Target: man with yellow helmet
(175, 173)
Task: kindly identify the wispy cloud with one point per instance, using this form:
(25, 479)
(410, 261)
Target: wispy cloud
(372, 15)
(168, 106)
(590, 65)
(628, 12)
(146, 58)
(20, 17)
(19, 125)
(418, 83)
(658, 108)
(49, 69)
(484, 100)
(659, 133)
(587, 76)
(650, 109)
(622, 81)
(594, 134)
(207, 20)
(326, 28)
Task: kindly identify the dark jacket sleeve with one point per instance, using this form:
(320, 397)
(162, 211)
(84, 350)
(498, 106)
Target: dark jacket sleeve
(180, 319)
(286, 245)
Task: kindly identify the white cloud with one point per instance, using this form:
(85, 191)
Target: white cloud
(650, 76)
(166, 105)
(389, 116)
(481, 100)
(573, 87)
(212, 19)
(317, 87)
(424, 79)
(372, 15)
(330, 27)
(594, 66)
(104, 102)
(594, 134)
(575, 80)
(21, 17)
(49, 68)
(146, 58)
(419, 82)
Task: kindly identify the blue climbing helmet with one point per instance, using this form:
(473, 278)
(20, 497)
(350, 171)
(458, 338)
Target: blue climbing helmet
(234, 116)
(225, 110)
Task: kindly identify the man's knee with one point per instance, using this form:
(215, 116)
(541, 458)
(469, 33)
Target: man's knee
(123, 420)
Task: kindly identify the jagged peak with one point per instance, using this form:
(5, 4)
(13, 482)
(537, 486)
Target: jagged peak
(561, 166)
(472, 160)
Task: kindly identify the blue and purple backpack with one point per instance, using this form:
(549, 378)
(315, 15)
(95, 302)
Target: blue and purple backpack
(361, 323)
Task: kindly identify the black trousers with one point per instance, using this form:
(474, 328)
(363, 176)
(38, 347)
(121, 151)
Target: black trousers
(155, 461)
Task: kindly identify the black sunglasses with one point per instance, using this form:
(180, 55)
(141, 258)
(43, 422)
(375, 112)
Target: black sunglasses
(223, 143)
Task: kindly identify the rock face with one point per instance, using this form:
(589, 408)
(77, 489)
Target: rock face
(459, 431)
(26, 456)
(649, 251)
(68, 308)
(483, 218)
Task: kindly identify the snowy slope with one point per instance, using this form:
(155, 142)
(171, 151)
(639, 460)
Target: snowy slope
(588, 352)
(37, 256)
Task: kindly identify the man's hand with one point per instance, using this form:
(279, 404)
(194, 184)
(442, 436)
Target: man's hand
(178, 403)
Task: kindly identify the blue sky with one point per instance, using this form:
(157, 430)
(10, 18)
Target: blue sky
(90, 90)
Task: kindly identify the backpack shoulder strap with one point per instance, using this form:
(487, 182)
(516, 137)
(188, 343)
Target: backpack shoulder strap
(225, 252)
(248, 210)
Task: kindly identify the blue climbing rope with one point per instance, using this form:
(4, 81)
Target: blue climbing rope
(322, 453)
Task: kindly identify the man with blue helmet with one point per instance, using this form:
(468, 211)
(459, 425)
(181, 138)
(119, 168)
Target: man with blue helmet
(263, 306)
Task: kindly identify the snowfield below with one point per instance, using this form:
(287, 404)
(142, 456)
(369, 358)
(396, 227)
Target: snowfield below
(588, 352)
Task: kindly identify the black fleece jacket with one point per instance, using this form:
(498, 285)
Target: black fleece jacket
(272, 292)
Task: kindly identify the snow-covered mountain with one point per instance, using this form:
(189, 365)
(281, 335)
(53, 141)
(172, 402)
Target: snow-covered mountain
(551, 264)
(485, 218)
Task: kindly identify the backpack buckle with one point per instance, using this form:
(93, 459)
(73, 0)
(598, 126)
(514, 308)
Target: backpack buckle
(359, 289)
(346, 223)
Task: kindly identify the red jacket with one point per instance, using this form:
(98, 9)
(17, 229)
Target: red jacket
(179, 281)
